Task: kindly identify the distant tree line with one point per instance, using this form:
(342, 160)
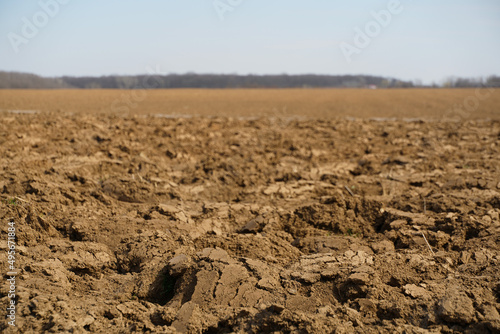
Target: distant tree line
(455, 82)
(191, 80)
(14, 80)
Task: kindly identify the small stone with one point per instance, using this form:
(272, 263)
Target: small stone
(493, 215)
(349, 254)
(397, 224)
(268, 283)
(262, 306)
(480, 257)
(85, 321)
(166, 209)
(330, 273)
(306, 277)
(253, 226)
(362, 256)
(486, 220)
(482, 183)
(181, 216)
(415, 291)
(360, 278)
(214, 254)
(276, 308)
(357, 260)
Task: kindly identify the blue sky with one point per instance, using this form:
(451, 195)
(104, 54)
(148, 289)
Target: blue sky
(427, 39)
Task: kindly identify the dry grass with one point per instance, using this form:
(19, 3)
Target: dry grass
(324, 103)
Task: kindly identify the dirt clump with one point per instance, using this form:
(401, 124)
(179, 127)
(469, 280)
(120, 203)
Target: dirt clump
(228, 225)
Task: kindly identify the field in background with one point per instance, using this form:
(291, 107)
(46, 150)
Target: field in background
(324, 103)
(127, 222)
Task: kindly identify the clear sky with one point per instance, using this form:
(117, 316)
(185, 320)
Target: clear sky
(425, 39)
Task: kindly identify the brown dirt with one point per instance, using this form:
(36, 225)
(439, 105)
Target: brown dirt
(219, 225)
(455, 104)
